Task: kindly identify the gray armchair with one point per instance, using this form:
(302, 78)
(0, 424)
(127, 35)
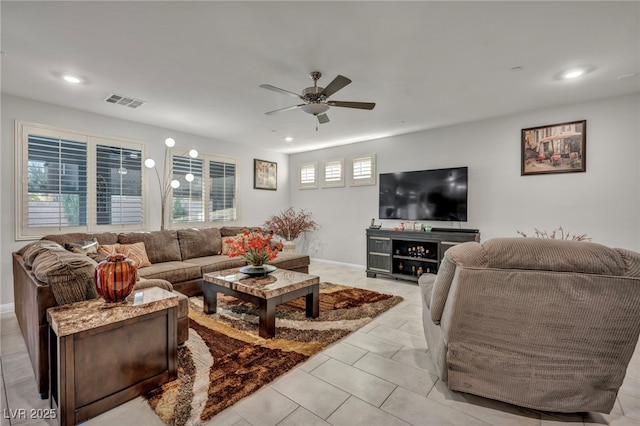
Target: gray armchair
(540, 323)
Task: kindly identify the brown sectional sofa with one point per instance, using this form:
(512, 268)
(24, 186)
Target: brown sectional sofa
(178, 259)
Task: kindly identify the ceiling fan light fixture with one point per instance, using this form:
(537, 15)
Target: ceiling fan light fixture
(315, 109)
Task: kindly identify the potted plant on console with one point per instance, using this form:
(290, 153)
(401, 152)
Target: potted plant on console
(290, 224)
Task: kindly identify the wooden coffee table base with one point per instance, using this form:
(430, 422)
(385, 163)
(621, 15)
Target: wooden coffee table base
(266, 306)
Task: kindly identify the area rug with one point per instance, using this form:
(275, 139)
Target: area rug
(225, 360)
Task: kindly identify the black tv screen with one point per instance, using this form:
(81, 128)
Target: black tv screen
(424, 195)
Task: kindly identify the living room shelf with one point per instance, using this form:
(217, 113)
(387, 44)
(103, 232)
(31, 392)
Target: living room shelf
(401, 254)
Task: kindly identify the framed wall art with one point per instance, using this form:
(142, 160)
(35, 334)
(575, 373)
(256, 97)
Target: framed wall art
(265, 175)
(555, 148)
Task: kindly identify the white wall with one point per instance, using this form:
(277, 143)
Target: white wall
(15, 108)
(604, 202)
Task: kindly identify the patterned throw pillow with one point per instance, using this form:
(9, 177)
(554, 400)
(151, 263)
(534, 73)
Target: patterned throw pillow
(83, 247)
(135, 252)
(226, 247)
(109, 250)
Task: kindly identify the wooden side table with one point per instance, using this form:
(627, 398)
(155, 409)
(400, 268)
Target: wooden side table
(104, 354)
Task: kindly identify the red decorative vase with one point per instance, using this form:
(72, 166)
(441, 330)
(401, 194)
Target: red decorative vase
(115, 277)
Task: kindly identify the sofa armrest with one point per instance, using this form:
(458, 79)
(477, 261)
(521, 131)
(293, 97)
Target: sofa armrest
(441, 288)
(154, 282)
(470, 254)
(631, 261)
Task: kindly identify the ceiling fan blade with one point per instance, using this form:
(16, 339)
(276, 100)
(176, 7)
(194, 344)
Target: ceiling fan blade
(338, 83)
(323, 118)
(359, 105)
(290, 108)
(279, 90)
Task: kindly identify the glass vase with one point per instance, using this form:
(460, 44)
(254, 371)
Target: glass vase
(115, 277)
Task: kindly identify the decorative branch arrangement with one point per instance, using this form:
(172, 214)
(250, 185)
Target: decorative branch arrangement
(557, 233)
(291, 223)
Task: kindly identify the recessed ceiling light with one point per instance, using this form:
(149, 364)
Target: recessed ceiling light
(573, 73)
(288, 139)
(71, 79)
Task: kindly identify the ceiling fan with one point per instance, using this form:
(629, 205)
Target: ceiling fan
(316, 100)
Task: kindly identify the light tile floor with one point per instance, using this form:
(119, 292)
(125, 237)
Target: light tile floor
(379, 375)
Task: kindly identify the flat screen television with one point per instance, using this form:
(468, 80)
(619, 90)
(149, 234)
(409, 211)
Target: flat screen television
(424, 195)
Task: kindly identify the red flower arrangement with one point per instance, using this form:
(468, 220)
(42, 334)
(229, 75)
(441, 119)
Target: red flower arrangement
(255, 247)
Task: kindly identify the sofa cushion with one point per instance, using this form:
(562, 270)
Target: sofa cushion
(552, 255)
(70, 275)
(103, 237)
(287, 260)
(173, 271)
(161, 246)
(199, 242)
(217, 263)
(143, 283)
(230, 231)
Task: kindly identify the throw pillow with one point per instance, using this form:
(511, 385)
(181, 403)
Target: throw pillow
(227, 243)
(108, 249)
(135, 252)
(83, 247)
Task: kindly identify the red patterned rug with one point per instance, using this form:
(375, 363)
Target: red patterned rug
(225, 360)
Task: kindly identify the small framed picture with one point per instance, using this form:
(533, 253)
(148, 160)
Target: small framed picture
(265, 175)
(555, 148)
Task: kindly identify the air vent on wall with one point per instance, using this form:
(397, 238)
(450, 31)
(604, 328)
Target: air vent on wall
(127, 101)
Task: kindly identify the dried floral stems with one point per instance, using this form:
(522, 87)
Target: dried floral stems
(554, 233)
(291, 223)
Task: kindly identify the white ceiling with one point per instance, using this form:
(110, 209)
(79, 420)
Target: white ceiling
(425, 64)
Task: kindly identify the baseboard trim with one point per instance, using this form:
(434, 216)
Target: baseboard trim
(5, 308)
(335, 262)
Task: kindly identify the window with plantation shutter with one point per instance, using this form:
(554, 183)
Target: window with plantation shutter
(118, 185)
(307, 176)
(210, 196)
(56, 183)
(333, 173)
(363, 171)
(72, 181)
(188, 205)
(222, 190)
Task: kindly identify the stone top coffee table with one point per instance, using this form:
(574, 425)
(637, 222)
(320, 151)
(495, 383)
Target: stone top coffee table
(266, 292)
